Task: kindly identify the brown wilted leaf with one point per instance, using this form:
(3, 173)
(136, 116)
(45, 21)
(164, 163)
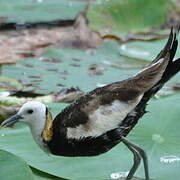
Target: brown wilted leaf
(80, 35)
(17, 45)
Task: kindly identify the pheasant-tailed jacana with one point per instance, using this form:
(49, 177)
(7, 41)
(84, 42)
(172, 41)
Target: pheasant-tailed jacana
(102, 118)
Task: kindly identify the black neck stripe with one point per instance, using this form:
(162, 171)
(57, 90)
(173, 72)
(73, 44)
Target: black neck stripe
(46, 111)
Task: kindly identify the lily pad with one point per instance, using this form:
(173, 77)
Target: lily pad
(72, 69)
(67, 67)
(144, 50)
(158, 133)
(36, 10)
(128, 15)
(13, 167)
(39, 175)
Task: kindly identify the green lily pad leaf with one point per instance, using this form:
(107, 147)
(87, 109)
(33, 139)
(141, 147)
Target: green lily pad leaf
(13, 167)
(128, 15)
(143, 50)
(157, 132)
(67, 67)
(39, 175)
(73, 67)
(34, 10)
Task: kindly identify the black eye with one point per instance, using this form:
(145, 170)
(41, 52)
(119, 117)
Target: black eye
(30, 111)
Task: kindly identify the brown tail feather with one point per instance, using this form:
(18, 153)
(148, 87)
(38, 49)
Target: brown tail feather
(172, 68)
(148, 77)
(162, 68)
(171, 45)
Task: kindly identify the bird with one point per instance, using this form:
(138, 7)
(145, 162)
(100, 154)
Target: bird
(99, 120)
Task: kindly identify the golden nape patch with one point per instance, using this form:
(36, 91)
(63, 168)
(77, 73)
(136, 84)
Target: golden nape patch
(48, 131)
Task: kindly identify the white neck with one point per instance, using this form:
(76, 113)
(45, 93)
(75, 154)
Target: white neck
(36, 133)
(36, 130)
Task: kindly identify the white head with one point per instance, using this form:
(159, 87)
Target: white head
(35, 115)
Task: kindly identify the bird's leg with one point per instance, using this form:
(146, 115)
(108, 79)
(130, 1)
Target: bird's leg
(145, 159)
(138, 153)
(137, 158)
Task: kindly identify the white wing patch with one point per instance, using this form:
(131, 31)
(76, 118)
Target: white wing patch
(105, 118)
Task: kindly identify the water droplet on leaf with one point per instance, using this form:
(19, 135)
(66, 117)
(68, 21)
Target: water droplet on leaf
(100, 84)
(134, 52)
(158, 138)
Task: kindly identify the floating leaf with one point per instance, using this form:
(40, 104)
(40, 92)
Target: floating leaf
(13, 167)
(129, 15)
(39, 175)
(75, 67)
(45, 10)
(72, 69)
(143, 50)
(158, 133)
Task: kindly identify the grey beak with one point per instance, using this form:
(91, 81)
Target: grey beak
(11, 121)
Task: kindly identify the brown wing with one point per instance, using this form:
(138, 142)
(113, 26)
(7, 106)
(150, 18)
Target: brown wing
(127, 91)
